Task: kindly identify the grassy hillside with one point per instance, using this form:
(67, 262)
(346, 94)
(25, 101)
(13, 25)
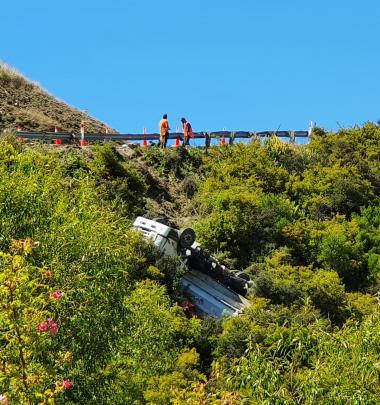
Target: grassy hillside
(25, 103)
(89, 310)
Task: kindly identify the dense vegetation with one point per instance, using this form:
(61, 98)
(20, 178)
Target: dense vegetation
(88, 309)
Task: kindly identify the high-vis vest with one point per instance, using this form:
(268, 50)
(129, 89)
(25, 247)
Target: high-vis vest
(187, 130)
(164, 126)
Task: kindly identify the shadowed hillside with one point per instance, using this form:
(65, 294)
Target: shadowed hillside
(25, 103)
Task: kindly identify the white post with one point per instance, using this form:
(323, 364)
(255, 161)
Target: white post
(311, 127)
(82, 131)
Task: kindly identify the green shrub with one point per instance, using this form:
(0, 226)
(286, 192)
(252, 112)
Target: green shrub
(118, 181)
(286, 284)
(176, 163)
(34, 363)
(325, 191)
(337, 253)
(157, 333)
(244, 224)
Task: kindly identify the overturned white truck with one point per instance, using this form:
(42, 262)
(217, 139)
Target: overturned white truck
(211, 287)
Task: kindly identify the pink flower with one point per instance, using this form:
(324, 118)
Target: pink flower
(53, 326)
(43, 326)
(56, 295)
(50, 326)
(4, 399)
(67, 384)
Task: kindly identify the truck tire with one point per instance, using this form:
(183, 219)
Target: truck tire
(243, 275)
(186, 237)
(238, 285)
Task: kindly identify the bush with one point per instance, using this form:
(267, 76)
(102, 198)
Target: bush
(337, 253)
(88, 252)
(286, 284)
(244, 224)
(118, 181)
(177, 163)
(325, 191)
(156, 335)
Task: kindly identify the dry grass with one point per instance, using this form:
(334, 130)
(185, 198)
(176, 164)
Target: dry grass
(9, 71)
(31, 115)
(26, 103)
(14, 77)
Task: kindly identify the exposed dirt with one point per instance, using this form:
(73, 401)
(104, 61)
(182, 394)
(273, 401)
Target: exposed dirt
(25, 104)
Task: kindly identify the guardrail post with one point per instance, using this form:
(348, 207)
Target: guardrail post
(292, 137)
(207, 139)
(232, 138)
(311, 127)
(253, 136)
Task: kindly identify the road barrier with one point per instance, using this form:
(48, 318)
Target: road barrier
(83, 139)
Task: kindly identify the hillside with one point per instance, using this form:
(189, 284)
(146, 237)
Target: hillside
(90, 311)
(25, 103)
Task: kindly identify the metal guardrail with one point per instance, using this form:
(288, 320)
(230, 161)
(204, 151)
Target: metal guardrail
(90, 137)
(45, 136)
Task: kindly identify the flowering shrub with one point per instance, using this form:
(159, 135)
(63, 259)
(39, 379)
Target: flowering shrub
(64, 385)
(86, 263)
(27, 350)
(56, 295)
(48, 326)
(4, 399)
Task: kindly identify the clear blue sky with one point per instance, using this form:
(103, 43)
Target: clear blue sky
(243, 64)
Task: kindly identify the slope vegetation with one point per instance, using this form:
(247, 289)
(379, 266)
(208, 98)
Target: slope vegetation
(89, 310)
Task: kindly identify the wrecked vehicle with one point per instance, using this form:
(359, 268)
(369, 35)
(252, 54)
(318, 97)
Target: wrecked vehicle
(212, 289)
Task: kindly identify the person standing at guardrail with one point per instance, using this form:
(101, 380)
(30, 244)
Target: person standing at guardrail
(187, 132)
(164, 131)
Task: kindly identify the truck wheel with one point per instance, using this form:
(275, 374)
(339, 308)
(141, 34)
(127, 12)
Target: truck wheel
(238, 285)
(186, 237)
(243, 275)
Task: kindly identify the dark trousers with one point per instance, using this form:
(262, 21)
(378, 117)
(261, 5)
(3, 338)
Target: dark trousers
(186, 141)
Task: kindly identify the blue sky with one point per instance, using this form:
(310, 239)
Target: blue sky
(239, 65)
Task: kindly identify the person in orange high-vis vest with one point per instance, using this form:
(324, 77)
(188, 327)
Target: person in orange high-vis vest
(187, 132)
(164, 131)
